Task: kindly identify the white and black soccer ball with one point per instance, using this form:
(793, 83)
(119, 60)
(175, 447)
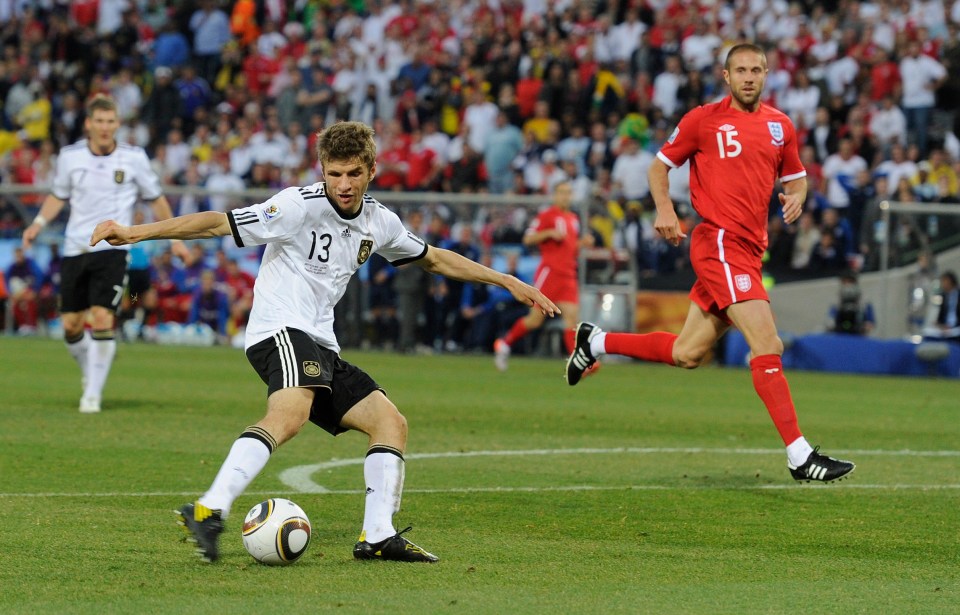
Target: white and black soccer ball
(276, 532)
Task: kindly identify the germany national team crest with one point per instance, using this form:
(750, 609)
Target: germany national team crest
(311, 368)
(366, 246)
(776, 131)
(118, 176)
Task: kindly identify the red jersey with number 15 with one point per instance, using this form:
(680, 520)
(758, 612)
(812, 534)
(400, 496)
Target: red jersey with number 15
(735, 159)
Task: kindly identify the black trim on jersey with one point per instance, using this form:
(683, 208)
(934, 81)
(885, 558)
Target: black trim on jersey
(404, 261)
(340, 212)
(116, 146)
(246, 217)
(311, 192)
(234, 230)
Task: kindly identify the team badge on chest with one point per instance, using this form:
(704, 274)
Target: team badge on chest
(366, 246)
(118, 176)
(776, 131)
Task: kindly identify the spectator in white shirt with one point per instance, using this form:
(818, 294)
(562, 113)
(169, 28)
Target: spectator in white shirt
(897, 168)
(435, 140)
(270, 41)
(840, 171)
(630, 171)
(626, 35)
(177, 154)
(889, 125)
(479, 116)
(921, 76)
(270, 145)
(603, 40)
(221, 182)
(699, 50)
(666, 86)
(800, 100)
(127, 94)
(841, 75)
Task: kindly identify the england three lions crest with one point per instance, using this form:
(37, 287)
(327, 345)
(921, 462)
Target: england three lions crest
(776, 131)
(743, 282)
(366, 246)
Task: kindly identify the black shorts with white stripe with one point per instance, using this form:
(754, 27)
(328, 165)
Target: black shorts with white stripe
(291, 358)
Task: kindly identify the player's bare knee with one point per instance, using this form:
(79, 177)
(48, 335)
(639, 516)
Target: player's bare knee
(689, 358)
(73, 324)
(689, 362)
(768, 347)
(392, 422)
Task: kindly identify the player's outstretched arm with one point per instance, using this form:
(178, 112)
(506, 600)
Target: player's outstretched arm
(452, 265)
(192, 226)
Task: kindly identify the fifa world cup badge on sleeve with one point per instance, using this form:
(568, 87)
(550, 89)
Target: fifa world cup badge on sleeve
(271, 212)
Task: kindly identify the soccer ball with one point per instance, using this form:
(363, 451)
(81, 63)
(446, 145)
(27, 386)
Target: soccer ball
(276, 532)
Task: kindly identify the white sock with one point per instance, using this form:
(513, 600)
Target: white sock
(383, 474)
(598, 345)
(246, 458)
(798, 451)
(99, 359)
(78, 350)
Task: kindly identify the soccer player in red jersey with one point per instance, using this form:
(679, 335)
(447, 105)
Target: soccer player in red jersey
(737, 148)
(556, 231)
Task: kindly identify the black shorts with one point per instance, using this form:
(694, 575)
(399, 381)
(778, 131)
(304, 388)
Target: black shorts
(94, 278)
(138, 283)
(291, 358)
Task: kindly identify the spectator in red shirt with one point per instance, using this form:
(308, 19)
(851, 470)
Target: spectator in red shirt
(884, 74)
(392, 164)
(259, 70)
(238, 284)
(424, 166)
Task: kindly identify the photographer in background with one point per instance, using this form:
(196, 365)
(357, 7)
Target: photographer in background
(851, 316)
(948, 316)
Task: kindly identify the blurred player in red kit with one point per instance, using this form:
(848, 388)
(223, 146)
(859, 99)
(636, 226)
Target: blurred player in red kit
(556, 232)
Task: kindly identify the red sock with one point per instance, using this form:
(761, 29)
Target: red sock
(518, 330)
(771, 385)
(569, 339)
(657, 347)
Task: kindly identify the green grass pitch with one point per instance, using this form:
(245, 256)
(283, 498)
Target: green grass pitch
(645, 489)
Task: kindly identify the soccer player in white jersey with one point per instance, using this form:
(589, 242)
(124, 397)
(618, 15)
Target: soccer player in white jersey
(102, 179)
(317, 237)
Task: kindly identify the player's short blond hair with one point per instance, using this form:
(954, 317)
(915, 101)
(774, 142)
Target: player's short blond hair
(101, 102)
(345, 141)
(744, 48)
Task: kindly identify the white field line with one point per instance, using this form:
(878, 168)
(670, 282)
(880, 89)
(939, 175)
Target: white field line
(298, 478)
(844, 485)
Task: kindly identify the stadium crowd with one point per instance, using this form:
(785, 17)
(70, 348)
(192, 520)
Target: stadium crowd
(497, 96)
